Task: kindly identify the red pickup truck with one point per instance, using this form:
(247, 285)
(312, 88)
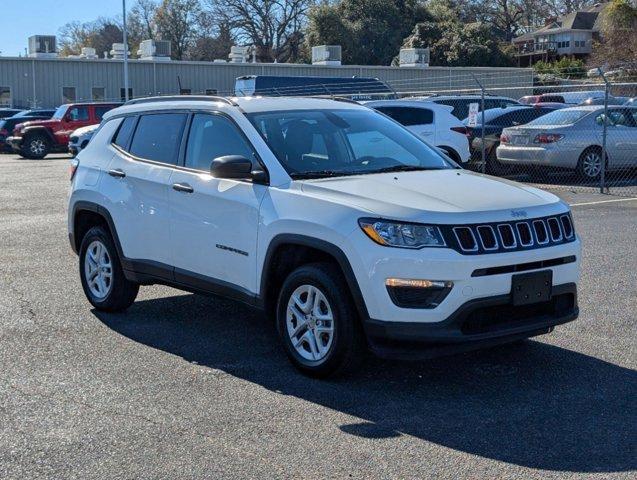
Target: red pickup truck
(38, 138)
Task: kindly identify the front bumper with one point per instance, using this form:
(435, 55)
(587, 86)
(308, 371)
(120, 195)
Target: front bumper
(476, 324)
(14, 142)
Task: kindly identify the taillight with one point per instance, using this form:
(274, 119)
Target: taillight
(73, 168)
(547, 138)
(462, 130)
(504, 138)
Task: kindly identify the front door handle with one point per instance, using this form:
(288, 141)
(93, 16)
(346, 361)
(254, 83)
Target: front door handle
(183, 187)
(118, 173)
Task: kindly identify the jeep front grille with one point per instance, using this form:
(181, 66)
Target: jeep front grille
(510, 236)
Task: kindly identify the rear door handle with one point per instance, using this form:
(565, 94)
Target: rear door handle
(117, 173)
(183, 187)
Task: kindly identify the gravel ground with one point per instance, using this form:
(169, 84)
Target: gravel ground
(185, 386)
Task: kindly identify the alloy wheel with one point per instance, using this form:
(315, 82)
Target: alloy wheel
(310, 323)
(592, 164)
(37, 146)
(98, 269)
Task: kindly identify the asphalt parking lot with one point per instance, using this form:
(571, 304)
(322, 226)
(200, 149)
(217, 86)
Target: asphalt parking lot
(185, 386)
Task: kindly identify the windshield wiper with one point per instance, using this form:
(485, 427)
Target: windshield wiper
(400, 168)
(321, 174)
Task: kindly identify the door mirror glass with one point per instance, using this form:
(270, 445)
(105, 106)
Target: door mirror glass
(231, 166)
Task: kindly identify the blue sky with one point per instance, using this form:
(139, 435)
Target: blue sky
(45, 17)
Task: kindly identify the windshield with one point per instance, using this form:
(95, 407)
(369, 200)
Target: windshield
(59, 113)
(321, 143)
(560, 117)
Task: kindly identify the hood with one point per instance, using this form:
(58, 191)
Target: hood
(39, 123)
(84, 130)
(435, 195)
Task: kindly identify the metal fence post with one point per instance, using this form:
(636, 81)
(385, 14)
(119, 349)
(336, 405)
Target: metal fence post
(483, 168)
(602, 172)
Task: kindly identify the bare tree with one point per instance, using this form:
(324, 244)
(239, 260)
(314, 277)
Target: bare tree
(99, 34)
(273, 26)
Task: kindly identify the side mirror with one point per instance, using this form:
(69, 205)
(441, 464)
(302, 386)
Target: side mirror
(231, 166)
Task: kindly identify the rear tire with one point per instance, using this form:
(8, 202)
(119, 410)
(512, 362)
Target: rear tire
(317, 322)
(103, 280)
(35, 146)
(495, 167)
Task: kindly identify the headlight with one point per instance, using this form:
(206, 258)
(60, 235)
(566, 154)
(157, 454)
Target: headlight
(403, 235)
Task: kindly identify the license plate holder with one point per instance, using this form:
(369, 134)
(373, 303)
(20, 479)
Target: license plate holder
(534, 287)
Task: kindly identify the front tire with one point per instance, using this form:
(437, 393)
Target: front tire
(317, 322)
(35, 146)
(103, 280)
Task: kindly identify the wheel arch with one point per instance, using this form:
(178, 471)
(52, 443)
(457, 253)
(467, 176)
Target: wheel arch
(38, 129)
(87, 215)
(301, 249)
(455, 156)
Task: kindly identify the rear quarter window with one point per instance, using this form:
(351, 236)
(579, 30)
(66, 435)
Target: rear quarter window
(123, 135)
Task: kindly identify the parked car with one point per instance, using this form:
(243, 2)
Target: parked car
(571, 98)
(432, 122)
(571, 138)
(339, 223)
(495, 120)
(601, 100)
(8, 112)
(8, 124)
(460, 103)
(79, 138)
(355, 88)
(36, 139)
(529, 99)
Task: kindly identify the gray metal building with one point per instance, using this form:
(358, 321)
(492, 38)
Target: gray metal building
(45, 82)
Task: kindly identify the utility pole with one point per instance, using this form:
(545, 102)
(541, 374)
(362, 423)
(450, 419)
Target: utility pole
(125, 51)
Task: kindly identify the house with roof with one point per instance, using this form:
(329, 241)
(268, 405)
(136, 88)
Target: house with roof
(571, 35)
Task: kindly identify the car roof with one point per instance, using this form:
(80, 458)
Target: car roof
(433, 98)
(246, 104)
(408, 103)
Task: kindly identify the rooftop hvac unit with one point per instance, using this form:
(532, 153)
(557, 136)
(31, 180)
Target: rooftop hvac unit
(88, 53)
(117, 52)
(326, 55)
(238, 54)
(414, 57)
(156, 50)
(42, 46)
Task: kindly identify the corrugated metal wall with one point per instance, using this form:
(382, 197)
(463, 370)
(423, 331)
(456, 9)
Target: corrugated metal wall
(40, 81)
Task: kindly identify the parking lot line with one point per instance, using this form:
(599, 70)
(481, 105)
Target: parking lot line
(604, 201)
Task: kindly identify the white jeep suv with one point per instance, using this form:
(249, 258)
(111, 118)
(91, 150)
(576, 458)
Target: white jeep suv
(348, 229)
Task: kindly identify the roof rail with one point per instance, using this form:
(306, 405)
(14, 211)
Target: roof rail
(182, 98)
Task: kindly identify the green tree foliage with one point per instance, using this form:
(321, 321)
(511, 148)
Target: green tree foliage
(562, 68)
(369, 31)
(618, 36)
(456, 43)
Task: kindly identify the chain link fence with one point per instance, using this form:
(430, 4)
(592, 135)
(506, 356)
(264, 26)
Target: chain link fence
(573, 134)
(572, 131)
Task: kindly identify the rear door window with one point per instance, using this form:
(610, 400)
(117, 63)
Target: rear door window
(409, 116)
(158, 137)
(100, 111)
